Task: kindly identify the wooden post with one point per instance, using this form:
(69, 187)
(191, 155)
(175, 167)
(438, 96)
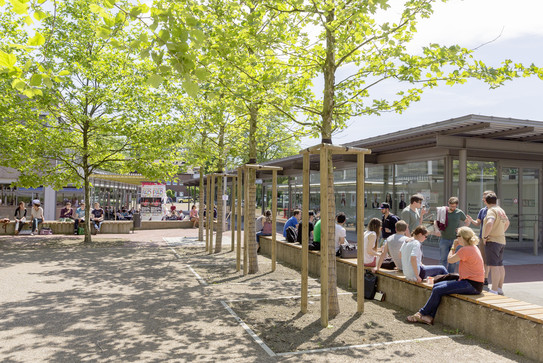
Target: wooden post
(247, 216)
(305, 231)
(360, 232)
(324, 235)
(207, 212)
(274, 219)
(238, 207)
(233, 213)
(211, 211)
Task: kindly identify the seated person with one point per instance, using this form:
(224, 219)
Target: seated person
(194, 218)
(20, 217)
(311, 228)
(470, 282)
(411, 256)
(371, 251)
(292, 221)
(97, 216)
(392, 246)
(67, 213)
(340, 232)
(37, 216)
(266, 227)
(79, 216)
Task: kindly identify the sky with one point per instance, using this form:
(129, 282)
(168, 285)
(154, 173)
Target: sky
(469, 23)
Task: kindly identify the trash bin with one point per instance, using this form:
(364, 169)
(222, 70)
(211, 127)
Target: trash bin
(137, 220)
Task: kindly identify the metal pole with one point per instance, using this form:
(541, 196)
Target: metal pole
(274, 220)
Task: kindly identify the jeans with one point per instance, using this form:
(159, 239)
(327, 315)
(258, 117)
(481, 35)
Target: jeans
(35, 223)
(432, 270)
(97, 225)
(444, 248)
(261, 234)
(446, 288)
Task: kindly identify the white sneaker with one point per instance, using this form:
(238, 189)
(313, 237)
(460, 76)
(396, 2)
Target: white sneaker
(31, 233)
(500, 291)
(493, 292)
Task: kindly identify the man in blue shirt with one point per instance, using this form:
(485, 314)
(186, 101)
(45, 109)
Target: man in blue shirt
(292, 221)
(480, 218)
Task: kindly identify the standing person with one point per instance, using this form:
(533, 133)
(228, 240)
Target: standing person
(411, 256)
(448, 235)
(341, 233)
(370, 242)
(388, 221)
(292, 221)
(495, 225)
(311, 228)
(97, 216)
(480, 218)
(67, 213)
(317, 232)
(402, 203)
(79, 216)
(470, 281)
(37, 216)
(393, 245)
(194, 218)
(411, 214)
(20, 217)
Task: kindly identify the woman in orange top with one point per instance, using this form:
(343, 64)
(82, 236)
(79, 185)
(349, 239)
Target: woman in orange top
(471, 271)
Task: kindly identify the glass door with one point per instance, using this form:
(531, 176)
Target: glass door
(519, 197)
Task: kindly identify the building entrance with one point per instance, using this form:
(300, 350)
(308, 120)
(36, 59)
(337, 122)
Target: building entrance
(520, 198)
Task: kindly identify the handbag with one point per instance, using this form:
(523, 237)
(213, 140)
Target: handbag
(348, 251)
(46, 231)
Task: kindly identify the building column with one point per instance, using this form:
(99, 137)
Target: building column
(49, 203)
(462, 178)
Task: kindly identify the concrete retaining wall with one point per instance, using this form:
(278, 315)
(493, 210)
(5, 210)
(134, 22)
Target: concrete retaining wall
(468, 313)
(116, 227)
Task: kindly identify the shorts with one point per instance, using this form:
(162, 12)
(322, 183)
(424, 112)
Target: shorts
(494, 253)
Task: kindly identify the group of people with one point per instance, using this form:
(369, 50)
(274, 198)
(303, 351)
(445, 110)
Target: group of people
(67, 214)
(460, 249)
(474, 258)
(36, 216)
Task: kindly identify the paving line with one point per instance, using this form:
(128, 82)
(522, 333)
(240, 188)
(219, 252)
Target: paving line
(198, 277)
(285, 297)
(368, 345)
(255, 337)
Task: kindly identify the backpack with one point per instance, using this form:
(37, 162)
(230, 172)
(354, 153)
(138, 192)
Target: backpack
(370, 285)
(292, 234)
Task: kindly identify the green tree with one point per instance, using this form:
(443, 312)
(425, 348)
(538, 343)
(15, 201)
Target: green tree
(356, 52)
(103, 116)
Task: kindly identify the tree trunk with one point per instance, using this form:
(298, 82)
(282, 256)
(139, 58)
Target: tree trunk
(250, 219)
(327, 118)
(88, 238)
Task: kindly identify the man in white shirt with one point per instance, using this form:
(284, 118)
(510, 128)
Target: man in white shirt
(341, 233)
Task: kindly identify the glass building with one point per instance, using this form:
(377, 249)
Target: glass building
(459, 157)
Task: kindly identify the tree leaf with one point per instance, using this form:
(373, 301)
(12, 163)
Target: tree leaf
(7, 60)
(155, 80)
(19, 7)
(201, 73)
(18, 84)
(36, 40)
(191, 88)
(97, 9)
(35, 80)
(64, 73)
(40, 15)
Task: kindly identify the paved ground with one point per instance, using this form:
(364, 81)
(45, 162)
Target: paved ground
(141, 297)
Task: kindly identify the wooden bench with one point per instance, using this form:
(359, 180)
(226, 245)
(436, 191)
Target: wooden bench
(116, 227)
(507, 322)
